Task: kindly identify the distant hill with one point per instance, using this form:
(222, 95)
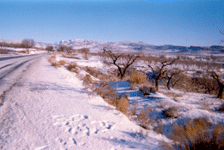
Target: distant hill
(128, 46)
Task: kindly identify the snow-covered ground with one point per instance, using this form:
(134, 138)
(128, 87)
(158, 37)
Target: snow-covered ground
(49, 108)
(189, 105)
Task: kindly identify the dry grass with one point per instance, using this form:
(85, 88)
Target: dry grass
(198, 134)
(171, 112)
(143, 118)
(2, 51)
(72, 67)
(133, 112)
(87, 80)
(93, 71)
(23, 51)
(53, 61)
(138, 77)
(61, 62)
(162, 104)
(158, 128)
(123, 104)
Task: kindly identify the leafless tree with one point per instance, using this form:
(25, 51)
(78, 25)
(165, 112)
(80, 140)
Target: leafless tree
(159, 71)
(28, 43)
(220, 83)
(49, 48)
(85, 51)
(69, 49)
(61, 48)
(170, 75)
(121, 61)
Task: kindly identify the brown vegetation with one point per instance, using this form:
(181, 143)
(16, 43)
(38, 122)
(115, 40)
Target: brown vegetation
(2, 51)
(198, 134)
(72, 66)
(171, 112)
(138, 77)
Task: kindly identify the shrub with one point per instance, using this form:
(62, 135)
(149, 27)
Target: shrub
(138, 77)
(72, 66)
(87, 80)
(171, 112)
(123, 104)
(61, 62)
(23, 51)
(145, 90)
(93, 71)
(106, 91)
(2, 51)
(134, 110)
(198, 134)
(53, 61)
(143, 118)
(221, 108)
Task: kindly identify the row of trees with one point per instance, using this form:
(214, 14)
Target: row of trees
(26, 43)
(160, 71)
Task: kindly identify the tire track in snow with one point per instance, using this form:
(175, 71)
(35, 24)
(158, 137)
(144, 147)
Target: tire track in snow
(13, 113)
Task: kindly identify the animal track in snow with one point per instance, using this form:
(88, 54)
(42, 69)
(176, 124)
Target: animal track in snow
(78, 127)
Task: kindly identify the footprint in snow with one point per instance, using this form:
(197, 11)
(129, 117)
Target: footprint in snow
(78, 126)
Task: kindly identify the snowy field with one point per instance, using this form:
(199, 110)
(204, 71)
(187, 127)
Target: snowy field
(188, 105)
(46, 107)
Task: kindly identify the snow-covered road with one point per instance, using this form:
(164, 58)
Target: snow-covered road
(48, 108)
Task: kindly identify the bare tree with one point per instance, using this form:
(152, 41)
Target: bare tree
(159, 71)
(69, 49)
(221, 85)
(170, 75)
(61, 48)
(121, 61)
(27, 43)
(85, 51)
(49, 48)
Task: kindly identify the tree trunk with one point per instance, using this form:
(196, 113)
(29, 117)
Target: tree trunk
(168, 84)
(221, 90)
(157, 84)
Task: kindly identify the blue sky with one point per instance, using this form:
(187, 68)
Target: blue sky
(158, 22)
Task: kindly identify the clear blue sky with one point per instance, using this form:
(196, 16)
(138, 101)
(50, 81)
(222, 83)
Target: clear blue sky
(158, 22)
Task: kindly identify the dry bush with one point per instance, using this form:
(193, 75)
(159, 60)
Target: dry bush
(24, 51)
(123, 104)
(2, 51)
(72, 66)
(107, 92)
(87, 80)
(158, 128)
(147, 90)
(221, 108)
(93, 71)
(162, 104)
(138, 77)
(143, 118)
(53, 61)
(198, 134)
(171, 112)
(134, 110)
(61, 62)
